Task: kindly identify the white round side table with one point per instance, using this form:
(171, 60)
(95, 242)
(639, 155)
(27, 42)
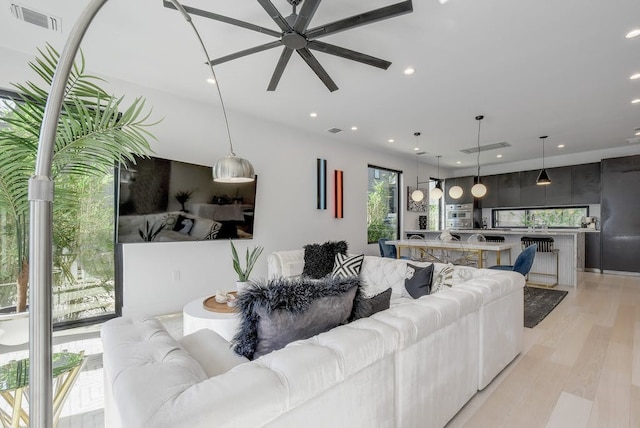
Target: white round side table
(196, 317)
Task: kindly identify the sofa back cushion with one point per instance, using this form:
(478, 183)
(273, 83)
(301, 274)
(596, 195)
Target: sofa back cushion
(276, 312)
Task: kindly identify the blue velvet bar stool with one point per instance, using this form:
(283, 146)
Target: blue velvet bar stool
(523, 262)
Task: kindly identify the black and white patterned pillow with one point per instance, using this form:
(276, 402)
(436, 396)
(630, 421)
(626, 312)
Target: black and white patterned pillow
(347, 266)
(444, 279)
(213, 232)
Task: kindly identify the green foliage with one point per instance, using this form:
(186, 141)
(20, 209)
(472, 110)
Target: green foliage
(378, 212)
(95, 131)
(250, 260)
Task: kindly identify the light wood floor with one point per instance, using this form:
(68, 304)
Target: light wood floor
(580, 366)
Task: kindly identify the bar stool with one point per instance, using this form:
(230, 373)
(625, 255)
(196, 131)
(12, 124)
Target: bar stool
(545, 248)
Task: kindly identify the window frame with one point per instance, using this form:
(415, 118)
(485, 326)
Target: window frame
(399, 181)
(494, 212)
(117, 255)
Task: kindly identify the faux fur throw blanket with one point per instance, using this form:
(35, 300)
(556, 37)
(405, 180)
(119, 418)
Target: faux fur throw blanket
(275, 306)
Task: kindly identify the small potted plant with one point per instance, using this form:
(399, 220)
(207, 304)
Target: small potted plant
(251, 258)
(182, 197)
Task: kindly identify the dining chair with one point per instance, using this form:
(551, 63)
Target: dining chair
(387, 250)
(523, 262)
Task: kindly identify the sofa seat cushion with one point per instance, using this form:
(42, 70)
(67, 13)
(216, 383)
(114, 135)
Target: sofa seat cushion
(211, 351)
(276, 312)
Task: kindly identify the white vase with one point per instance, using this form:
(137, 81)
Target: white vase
(241, 285)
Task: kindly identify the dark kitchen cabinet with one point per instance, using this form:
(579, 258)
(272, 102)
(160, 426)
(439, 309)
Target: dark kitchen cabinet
(620, 222)
(490, 200)
(559, 191)
(592, 250)
(466, 183)
(508, 189)
(585, 183)
(531, 195)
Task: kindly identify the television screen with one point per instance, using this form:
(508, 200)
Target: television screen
(162, 200)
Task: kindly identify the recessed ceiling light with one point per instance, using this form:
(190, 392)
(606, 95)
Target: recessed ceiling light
(636, 101)
(498, 156)
(633, 33)
(635, 76)
(458, 162)
(409, 71)
(211, 80)
(391, 140)
(313, 115)
(416, 149)
(354, 128)
(443, 1)
(637, 131)
(560, 146)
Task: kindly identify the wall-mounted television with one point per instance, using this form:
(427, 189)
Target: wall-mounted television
(162, 200)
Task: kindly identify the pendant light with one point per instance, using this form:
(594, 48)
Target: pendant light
(543, 177)
(230, 169)
(478, 190)
(455, 192)
(436, 193)
(417, 195)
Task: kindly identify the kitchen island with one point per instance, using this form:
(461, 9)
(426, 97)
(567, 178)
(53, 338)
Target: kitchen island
(570, 243)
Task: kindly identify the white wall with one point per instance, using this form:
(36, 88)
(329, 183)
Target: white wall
(162, 277)
(285, 214)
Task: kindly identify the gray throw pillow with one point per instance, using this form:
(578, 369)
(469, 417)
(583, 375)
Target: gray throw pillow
(418, 280)
(364, 306)
(276, 312)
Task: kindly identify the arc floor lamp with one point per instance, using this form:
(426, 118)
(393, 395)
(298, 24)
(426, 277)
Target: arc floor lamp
(41, 187)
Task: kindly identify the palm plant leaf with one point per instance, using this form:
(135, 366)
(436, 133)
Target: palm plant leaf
(95, 132)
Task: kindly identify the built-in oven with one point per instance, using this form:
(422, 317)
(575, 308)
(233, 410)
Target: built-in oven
(459, 216)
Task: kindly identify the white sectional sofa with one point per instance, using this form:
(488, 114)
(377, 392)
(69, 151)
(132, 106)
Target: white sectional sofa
(412, 365)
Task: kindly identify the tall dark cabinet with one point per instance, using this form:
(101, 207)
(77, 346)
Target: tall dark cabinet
(620, 219)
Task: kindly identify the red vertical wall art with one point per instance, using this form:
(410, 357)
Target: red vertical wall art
(338, 206)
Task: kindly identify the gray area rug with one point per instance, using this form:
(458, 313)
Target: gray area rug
(538, 303)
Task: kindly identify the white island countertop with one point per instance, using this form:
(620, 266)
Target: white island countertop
(514, 231)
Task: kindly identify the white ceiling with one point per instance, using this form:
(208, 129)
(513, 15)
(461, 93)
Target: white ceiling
(531, 67)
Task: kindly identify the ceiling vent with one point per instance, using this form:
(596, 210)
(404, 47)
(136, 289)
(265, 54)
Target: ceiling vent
(334, 130)
(36, 18)
(485, 148)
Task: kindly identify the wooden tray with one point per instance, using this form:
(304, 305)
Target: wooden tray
(210, 304)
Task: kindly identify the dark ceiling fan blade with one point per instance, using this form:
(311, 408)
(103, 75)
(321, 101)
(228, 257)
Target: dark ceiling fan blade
(246, 52)
(277, 73)
(225, 19)
(361, 19)
(275, 15)
(311, 60)
(309, 8)
(348, 54)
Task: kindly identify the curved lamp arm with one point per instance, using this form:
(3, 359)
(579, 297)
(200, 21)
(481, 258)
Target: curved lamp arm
(40, 233)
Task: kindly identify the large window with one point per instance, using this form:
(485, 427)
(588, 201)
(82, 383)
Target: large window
(565, 217)
(383, 204)
(83, 239)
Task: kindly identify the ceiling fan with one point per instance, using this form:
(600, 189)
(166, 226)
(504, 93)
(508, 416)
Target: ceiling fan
(295, 35)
